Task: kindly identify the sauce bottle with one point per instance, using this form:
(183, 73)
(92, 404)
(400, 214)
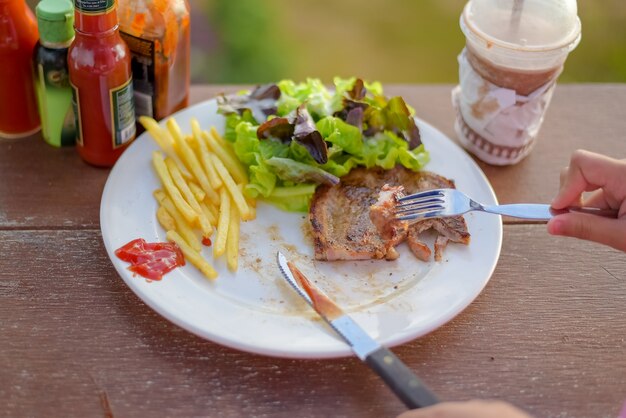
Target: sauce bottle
(101, 80)
(55, 19)
(157, 33)
(18, 35)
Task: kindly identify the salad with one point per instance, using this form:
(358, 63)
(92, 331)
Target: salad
(293, 137)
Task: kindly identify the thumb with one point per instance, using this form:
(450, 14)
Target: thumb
(611, 232)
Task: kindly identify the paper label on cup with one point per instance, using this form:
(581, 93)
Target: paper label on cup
(499, 114)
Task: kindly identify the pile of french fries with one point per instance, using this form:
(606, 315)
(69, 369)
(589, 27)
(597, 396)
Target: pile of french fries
(202, 191)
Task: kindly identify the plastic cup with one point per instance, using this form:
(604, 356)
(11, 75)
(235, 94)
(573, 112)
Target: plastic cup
(515, 51)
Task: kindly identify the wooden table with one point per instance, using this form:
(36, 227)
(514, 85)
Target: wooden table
(547, 334)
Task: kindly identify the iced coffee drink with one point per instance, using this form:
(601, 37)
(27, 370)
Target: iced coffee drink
(514, 53)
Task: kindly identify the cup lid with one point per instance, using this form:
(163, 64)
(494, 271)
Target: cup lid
(526, 24)
(55, 19)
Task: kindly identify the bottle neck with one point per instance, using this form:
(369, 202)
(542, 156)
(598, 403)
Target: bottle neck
(95, 22)
(56, 45)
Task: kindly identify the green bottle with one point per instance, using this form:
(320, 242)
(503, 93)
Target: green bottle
(55, 19)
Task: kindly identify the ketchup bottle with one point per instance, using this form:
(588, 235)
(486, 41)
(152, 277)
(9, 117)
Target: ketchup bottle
(18, 35)
(101, 80)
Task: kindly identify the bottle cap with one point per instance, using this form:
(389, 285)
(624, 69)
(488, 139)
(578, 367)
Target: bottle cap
(56, 22)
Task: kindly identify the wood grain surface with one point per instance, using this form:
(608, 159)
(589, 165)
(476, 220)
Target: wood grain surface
(548, 333)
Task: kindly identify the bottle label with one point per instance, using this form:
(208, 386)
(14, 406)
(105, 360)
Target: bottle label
(94, 7)
(76, 108)
(123, 114)
(142, 64)
(54, 96)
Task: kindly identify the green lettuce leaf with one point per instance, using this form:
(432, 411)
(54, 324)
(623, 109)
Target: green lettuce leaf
(357, 124)
(342, 136)
(297, 172)
(312, 92)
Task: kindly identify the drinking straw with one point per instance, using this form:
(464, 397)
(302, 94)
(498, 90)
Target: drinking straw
(516, 14)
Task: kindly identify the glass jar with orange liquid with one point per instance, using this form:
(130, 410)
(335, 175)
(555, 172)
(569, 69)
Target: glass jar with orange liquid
(157, 33)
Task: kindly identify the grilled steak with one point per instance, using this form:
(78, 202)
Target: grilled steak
(343, 229)
(382, 214)
(339, 215)
(452, 229)
(417, 247)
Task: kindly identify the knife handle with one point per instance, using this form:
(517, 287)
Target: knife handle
(400, 379)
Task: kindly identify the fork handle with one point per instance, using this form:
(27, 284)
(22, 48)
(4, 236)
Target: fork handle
(543, 212)
(606, 213)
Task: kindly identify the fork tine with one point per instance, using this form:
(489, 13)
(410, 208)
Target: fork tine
(419, 215)
(419, 206)
(417, 203)
(421, 195)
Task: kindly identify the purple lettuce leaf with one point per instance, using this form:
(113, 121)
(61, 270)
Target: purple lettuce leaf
(306, 134)
(279, 128)
(261, 102)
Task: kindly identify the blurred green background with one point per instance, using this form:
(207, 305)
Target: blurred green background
(401, 41)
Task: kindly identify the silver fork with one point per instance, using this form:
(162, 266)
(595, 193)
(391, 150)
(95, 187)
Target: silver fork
(442, 203)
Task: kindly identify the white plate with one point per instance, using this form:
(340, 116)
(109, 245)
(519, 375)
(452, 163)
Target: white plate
(255, 310)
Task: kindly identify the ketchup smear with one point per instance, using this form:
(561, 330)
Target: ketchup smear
(151, 259)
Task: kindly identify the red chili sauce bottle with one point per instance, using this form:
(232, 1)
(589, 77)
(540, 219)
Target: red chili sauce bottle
(18, 36)
(101, 80)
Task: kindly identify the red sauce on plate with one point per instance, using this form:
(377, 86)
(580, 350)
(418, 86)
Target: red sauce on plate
(206, 241)
(151, 259)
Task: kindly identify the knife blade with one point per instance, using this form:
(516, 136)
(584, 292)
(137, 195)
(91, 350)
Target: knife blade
(400, 379)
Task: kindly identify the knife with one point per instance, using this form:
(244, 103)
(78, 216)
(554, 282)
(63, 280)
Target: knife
(400, 379)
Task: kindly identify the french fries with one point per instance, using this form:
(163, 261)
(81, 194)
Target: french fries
(163, 141)
(232, 242)
(166, 179)
(197, 192)
(181, 224)
(192, 255)
(208, 213)
(222, 225)
(238, 173)
(165, 219)
(190, 197)
(234, 191)
(202, 192)
(214, 179)
(191, 160)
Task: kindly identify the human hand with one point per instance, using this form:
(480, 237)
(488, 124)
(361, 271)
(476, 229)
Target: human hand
(606, 178)
(470, 409)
